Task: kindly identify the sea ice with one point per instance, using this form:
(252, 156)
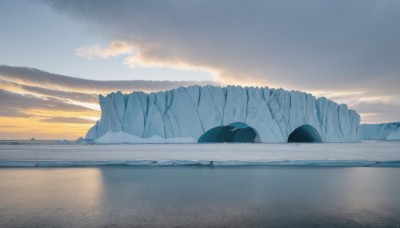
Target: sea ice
(369, 153)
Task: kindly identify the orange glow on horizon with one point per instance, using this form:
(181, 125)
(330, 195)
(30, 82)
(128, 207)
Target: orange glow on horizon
(89, 114)
(32, 127)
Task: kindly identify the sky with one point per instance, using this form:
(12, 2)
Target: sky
(57, 56)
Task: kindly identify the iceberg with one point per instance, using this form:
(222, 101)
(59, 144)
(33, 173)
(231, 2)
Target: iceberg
(384, 131)
(187, 113)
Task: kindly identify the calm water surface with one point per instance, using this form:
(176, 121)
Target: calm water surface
(200, 197)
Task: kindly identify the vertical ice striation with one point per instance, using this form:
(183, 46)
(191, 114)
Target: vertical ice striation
(192, 111)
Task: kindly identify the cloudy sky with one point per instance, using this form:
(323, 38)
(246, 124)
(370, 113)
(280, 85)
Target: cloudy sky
(56, 56)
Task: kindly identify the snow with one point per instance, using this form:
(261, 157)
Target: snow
(191, 111)
(385, 131)
(122, 137)
(370, 153)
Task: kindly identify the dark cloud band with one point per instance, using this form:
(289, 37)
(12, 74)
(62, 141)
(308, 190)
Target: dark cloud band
(18, 105)
(38, 78)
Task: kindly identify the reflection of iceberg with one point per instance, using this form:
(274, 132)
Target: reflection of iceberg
(386, 131)
(190, 112)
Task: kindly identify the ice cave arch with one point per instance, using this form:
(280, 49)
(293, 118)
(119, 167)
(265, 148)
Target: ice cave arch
(305, 133)
(234, 132)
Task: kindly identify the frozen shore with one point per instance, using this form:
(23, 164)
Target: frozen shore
(369, 153)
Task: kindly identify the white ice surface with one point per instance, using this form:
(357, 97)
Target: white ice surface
(337, 154)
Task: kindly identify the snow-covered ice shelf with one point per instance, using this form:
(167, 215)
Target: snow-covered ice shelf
(370, 153)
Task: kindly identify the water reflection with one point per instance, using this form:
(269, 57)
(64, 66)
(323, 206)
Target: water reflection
(199, 196)
(56, 197)
(250, 196)
(368, 193)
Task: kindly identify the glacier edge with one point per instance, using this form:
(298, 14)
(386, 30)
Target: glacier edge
(188, 112)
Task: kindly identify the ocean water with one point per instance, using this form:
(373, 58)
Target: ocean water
(196, 196)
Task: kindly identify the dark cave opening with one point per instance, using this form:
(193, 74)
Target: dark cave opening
(235, 132)
(305, 133)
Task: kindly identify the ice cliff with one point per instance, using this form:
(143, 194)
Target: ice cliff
(385, 131)
(189, 112)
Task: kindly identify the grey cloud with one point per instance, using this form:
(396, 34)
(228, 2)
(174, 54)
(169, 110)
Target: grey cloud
(75, 96)
(307, 45)
(379, 111)
(376, 108)
(16, 105)
(56, 82)
(61, 119)
(299, 44)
